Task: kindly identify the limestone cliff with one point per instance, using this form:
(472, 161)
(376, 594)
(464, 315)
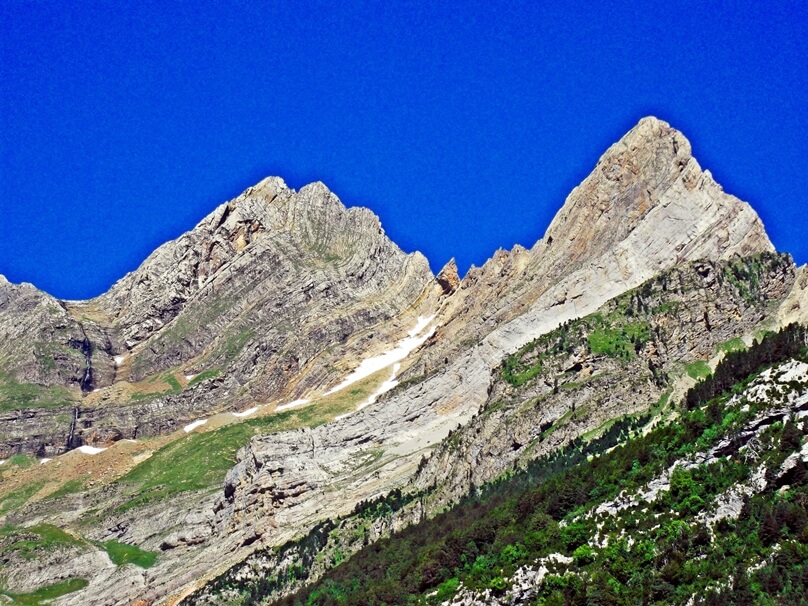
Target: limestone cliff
(255, 298)
(279, 295)
(647, 207)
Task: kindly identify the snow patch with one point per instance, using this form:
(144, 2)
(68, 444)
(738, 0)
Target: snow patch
(246, 413)
(189, 377)
(90, 450)
(190, 427)
(383, 388)
(2, 461)
(119, 360)
(420, 325)
(43, 461)
(402, 349)
(292, 404)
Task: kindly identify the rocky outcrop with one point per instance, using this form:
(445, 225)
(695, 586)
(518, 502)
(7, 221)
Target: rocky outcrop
(653, 209)
(40, 342)
(279, 295)
(690, 313)
(646, 207)
(795, 307)
(276, 292)
(448, 279)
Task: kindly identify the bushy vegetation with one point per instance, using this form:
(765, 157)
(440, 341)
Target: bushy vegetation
(745, 274)
(623, 327)
(614, 335)
(663, 552)
(741, 364)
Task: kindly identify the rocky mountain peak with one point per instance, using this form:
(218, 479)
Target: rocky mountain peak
(311, 225)
(650, 177)
(646, 207)
(448, 277)
(279, 299)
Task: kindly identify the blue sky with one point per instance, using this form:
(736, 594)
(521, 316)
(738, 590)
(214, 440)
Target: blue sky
(462, 125)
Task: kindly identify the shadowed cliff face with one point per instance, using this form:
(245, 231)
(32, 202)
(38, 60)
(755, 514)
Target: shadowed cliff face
(278, 295)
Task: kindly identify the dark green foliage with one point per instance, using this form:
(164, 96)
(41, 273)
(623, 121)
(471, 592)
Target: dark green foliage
(737, 365)
(623, 327)
(304, 551)
(489, 534)
(745, 273)
(615, 335)
(617, 339)
(546, 507)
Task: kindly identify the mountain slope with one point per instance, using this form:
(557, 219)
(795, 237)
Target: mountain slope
(282, 295)
(254, 298)
(706, 507)
(453, 374)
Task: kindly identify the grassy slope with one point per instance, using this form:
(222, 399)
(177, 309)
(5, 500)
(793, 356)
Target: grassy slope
(200, 460)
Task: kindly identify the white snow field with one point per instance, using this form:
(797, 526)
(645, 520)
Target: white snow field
(246, 413)
(292, 404)
(90, 450)
(401, 350)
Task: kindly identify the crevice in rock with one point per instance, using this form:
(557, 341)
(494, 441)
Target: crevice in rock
(86, 348)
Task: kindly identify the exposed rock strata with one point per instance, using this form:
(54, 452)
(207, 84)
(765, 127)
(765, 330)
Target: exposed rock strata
(690, 312)
(284, 293)
(653, 209)
(278, 292)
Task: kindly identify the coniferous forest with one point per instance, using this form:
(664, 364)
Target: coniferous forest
(669, 549)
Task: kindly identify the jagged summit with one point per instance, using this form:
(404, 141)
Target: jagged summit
(646, 206)
(312, 225)
(279, 297)
(257, 295)
(448, 277)
(650, 177)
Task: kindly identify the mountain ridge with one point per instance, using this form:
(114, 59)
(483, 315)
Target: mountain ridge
(264, 309)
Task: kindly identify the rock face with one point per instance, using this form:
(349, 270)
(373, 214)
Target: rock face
(278, 295)
(653, 209)
(448, 278)
(689, 313)
(40, 343)
(257, 294)
(646, 207)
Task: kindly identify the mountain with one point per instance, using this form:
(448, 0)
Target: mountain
(247, 307)
(282, 384)
(706, 508)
